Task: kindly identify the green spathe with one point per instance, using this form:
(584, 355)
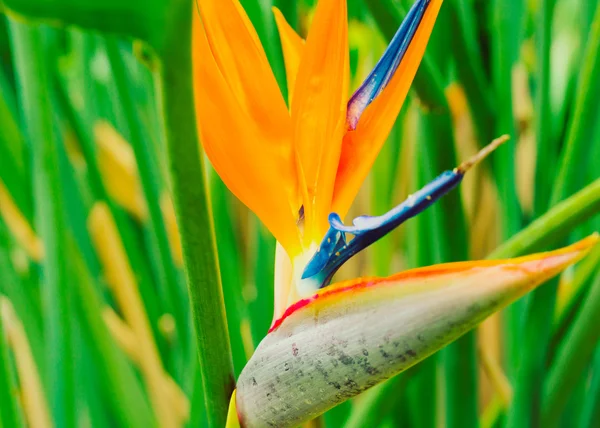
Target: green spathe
(354, 335)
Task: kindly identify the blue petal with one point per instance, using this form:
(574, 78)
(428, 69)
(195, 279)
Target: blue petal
(335, 250)
(387, 65)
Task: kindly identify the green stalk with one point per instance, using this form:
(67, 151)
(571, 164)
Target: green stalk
(377, 402)
(289, 9)
(580, 285)
(439, 235)
(9, 410)
(573, 355)
(14, 163)
(446, 225)
(82, 127)
(570, 176)
(469, 68)
(505, 44)
(537, 329)
(123, 386)
(33, 81)
(263, 260)
(24, 296)
(384, 177)
(547, 149)
(193, 214)
(504, 50)
(166, 267)
(529, 377)
(553, 226)
(591, 413)
(528, 394)
(422, 392)
(232, 270)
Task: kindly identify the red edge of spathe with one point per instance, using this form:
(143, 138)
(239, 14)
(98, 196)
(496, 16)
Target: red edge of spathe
(448, 268)
(361, 283)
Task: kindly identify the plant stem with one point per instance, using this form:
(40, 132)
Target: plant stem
(591, 411)
(525, 408)
(550, 228)
(557, 223)
(470, 69)
(193, 213)
(9, 410)
(376, 403)
(547, 150)
(573, 355)
(570, 176)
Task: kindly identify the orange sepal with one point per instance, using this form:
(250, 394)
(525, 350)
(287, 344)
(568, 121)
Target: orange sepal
(292, 46)
(250, 149)
(319, 112)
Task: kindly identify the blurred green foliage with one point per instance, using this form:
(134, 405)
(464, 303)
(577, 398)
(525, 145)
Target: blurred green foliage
(84, 178)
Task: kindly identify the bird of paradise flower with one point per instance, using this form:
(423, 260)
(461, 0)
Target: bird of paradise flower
(299, 168)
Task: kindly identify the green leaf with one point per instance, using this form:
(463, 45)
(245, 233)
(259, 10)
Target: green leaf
(555, 225)
(33, 82)
(9, 409)
(174, 300)
(140, 19)
(470, 67)
(591, 412)
(547, 146)
(14, 163)
(232, 272)
(573, 355)
(577, 147)
(123, 387)
(376, 403)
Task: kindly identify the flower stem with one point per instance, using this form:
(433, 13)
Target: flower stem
(554, 225)
(193, 213)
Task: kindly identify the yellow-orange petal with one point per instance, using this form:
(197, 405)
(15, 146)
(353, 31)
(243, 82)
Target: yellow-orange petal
(362, 145)
(353, 335)
(319, 112)
(292, 46)
(253, 157)
(242, 61)
(232, 417)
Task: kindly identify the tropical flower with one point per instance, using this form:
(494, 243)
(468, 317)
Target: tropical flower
(294, 167)
(299, 167)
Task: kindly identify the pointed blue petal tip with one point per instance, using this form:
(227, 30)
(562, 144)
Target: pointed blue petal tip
(378, 79)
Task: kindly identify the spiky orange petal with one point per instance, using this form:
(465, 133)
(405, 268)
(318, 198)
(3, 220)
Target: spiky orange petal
(292, 46)
(319, 111)
(244, 126)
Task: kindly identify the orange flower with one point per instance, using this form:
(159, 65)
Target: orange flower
(317, 154)
(294, 166)
(299, 169)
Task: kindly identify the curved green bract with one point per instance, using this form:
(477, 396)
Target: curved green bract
(140, 19)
